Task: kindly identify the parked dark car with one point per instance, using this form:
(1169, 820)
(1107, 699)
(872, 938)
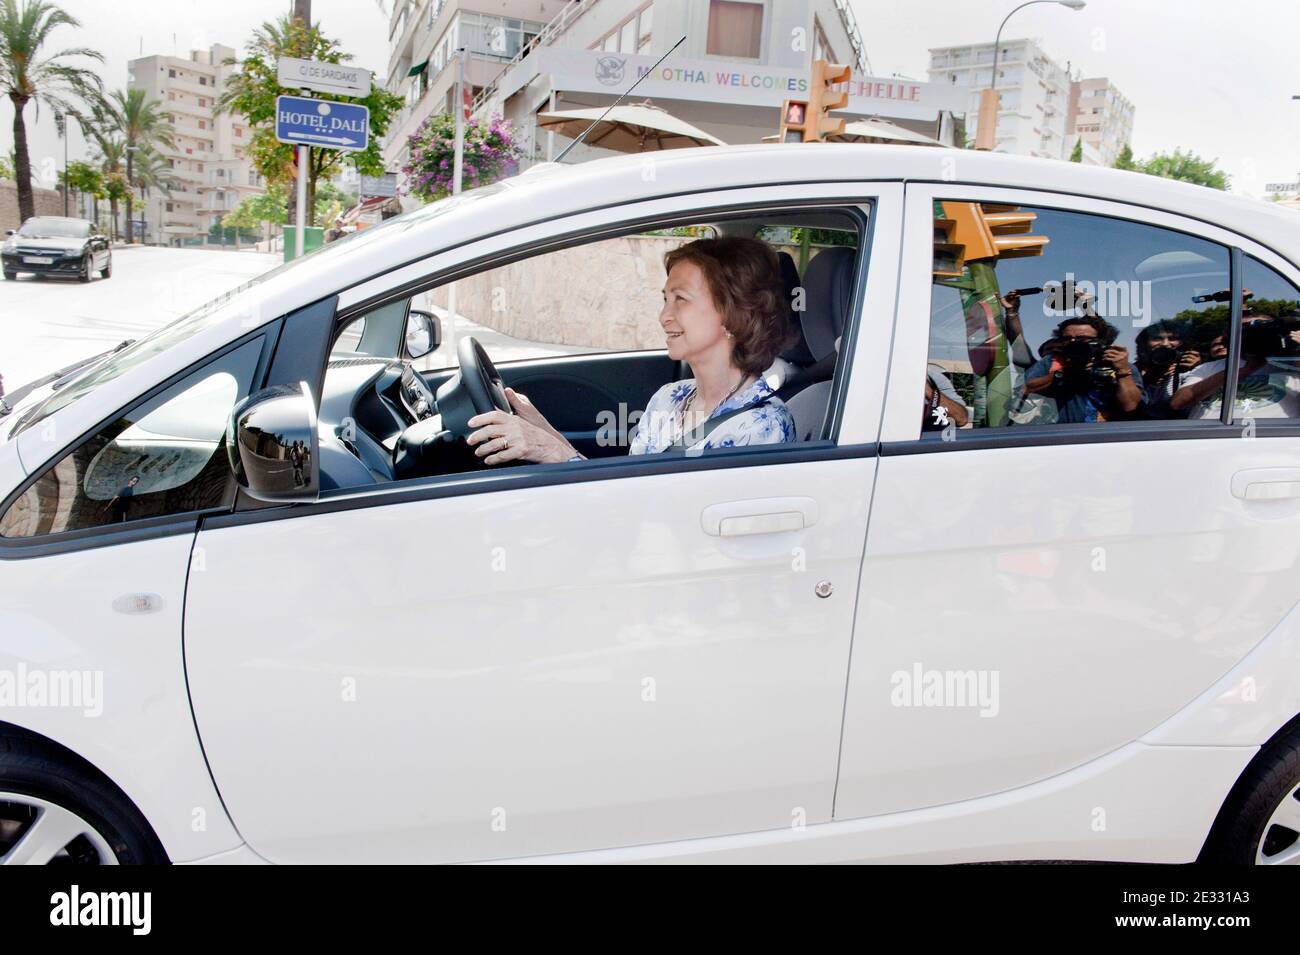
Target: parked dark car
(56, 245)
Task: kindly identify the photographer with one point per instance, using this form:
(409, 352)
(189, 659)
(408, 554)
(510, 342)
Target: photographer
(1163, 362)
(1264, 389)
(1086, 375)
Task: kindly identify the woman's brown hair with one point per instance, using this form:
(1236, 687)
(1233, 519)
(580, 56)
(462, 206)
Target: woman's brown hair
(744, 278)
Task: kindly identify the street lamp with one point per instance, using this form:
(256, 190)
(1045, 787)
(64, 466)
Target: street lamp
(61, 124)
(989, 109)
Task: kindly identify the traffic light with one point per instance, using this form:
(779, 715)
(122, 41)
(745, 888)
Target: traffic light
(822, 99)
(972, 231)
(794, 121)
(1010, 226)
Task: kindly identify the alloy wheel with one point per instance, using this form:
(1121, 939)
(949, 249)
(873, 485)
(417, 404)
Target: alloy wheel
(1280, 842)
(34, 831)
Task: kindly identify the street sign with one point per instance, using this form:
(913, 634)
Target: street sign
(1282, 187)
(296, 74)
(323, 123)
(379, 186)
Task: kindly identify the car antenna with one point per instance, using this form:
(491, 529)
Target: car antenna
(620, 99)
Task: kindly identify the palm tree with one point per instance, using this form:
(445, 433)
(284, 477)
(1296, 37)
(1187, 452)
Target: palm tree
(142, 124)
(26, 76)
(153, 171)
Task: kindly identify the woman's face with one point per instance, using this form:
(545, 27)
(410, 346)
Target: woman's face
(691, 322)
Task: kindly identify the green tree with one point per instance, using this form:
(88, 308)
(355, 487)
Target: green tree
(1076, 154)
(85, 179)
(142, 125)
(6, 168)
(1125, 160)
(110, 153)
(153, 171)
(253, 89)
(1187, 167)
(28, 76)
(270, 207)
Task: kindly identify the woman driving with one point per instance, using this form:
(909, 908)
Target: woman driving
(724, 314)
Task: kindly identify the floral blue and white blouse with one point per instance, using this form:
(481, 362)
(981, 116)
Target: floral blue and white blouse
(767, 422)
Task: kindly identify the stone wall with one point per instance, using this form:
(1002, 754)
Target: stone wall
(49, 202)
(603, 295)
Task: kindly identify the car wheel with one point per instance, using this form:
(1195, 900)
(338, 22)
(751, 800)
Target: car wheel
(84, 275)
(107, 270)
(56, 810)
(1260, 821)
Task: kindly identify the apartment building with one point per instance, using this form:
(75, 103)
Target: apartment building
(210, 160)
(424, 36)
(1101, 116)
(1044, 110)
(741, 59)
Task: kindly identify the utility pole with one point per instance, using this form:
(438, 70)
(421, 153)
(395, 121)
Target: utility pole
(458, 168)
(302, 12)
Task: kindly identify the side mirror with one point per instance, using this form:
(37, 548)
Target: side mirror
(273, 446)
(9, 232)
(423, 333)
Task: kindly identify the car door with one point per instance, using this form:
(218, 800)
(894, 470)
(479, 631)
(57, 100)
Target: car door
(95, 549)
(563, 658)
(1038, 592)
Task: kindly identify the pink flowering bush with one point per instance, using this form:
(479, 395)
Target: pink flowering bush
(491, 153)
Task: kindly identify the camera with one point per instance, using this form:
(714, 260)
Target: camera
(1265, 338)
(1162, 356)
(1082, 351)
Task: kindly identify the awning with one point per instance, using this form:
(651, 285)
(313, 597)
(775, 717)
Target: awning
(417, 69)
(627, 129)
(877, 130)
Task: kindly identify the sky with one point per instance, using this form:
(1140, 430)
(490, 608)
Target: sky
(1205, 75)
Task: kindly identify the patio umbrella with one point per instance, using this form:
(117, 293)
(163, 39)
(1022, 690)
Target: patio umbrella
(627, 129)
(876, 130)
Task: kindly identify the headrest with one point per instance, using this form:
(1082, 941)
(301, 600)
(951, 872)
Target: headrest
(828, 286)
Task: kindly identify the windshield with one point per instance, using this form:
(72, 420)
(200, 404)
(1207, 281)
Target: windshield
(50, 227)
(203, 317)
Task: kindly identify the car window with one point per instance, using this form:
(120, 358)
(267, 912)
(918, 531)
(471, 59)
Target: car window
(45, 227)
(785, 281)
(598, 297)
(164, 456)
(1042, 316)
(1268, 381)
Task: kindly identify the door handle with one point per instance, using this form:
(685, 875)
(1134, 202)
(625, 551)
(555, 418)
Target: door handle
(769, 515)
(1266, 484)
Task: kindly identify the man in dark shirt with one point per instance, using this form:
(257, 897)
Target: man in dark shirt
(1088, 377)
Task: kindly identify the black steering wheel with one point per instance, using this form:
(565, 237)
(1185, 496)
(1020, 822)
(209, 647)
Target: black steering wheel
(474, 390)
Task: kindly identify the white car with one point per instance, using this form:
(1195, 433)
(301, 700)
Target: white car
(1024, 588)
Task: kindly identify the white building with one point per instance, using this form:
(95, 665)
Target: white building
(1101, 116)
(1035, 93)
(741, 59)
(210, 158)
(423, 36)
(1044, 110)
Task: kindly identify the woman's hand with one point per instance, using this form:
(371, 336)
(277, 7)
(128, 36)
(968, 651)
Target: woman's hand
(525, 435)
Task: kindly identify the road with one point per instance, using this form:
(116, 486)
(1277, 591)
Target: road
(48, 323)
